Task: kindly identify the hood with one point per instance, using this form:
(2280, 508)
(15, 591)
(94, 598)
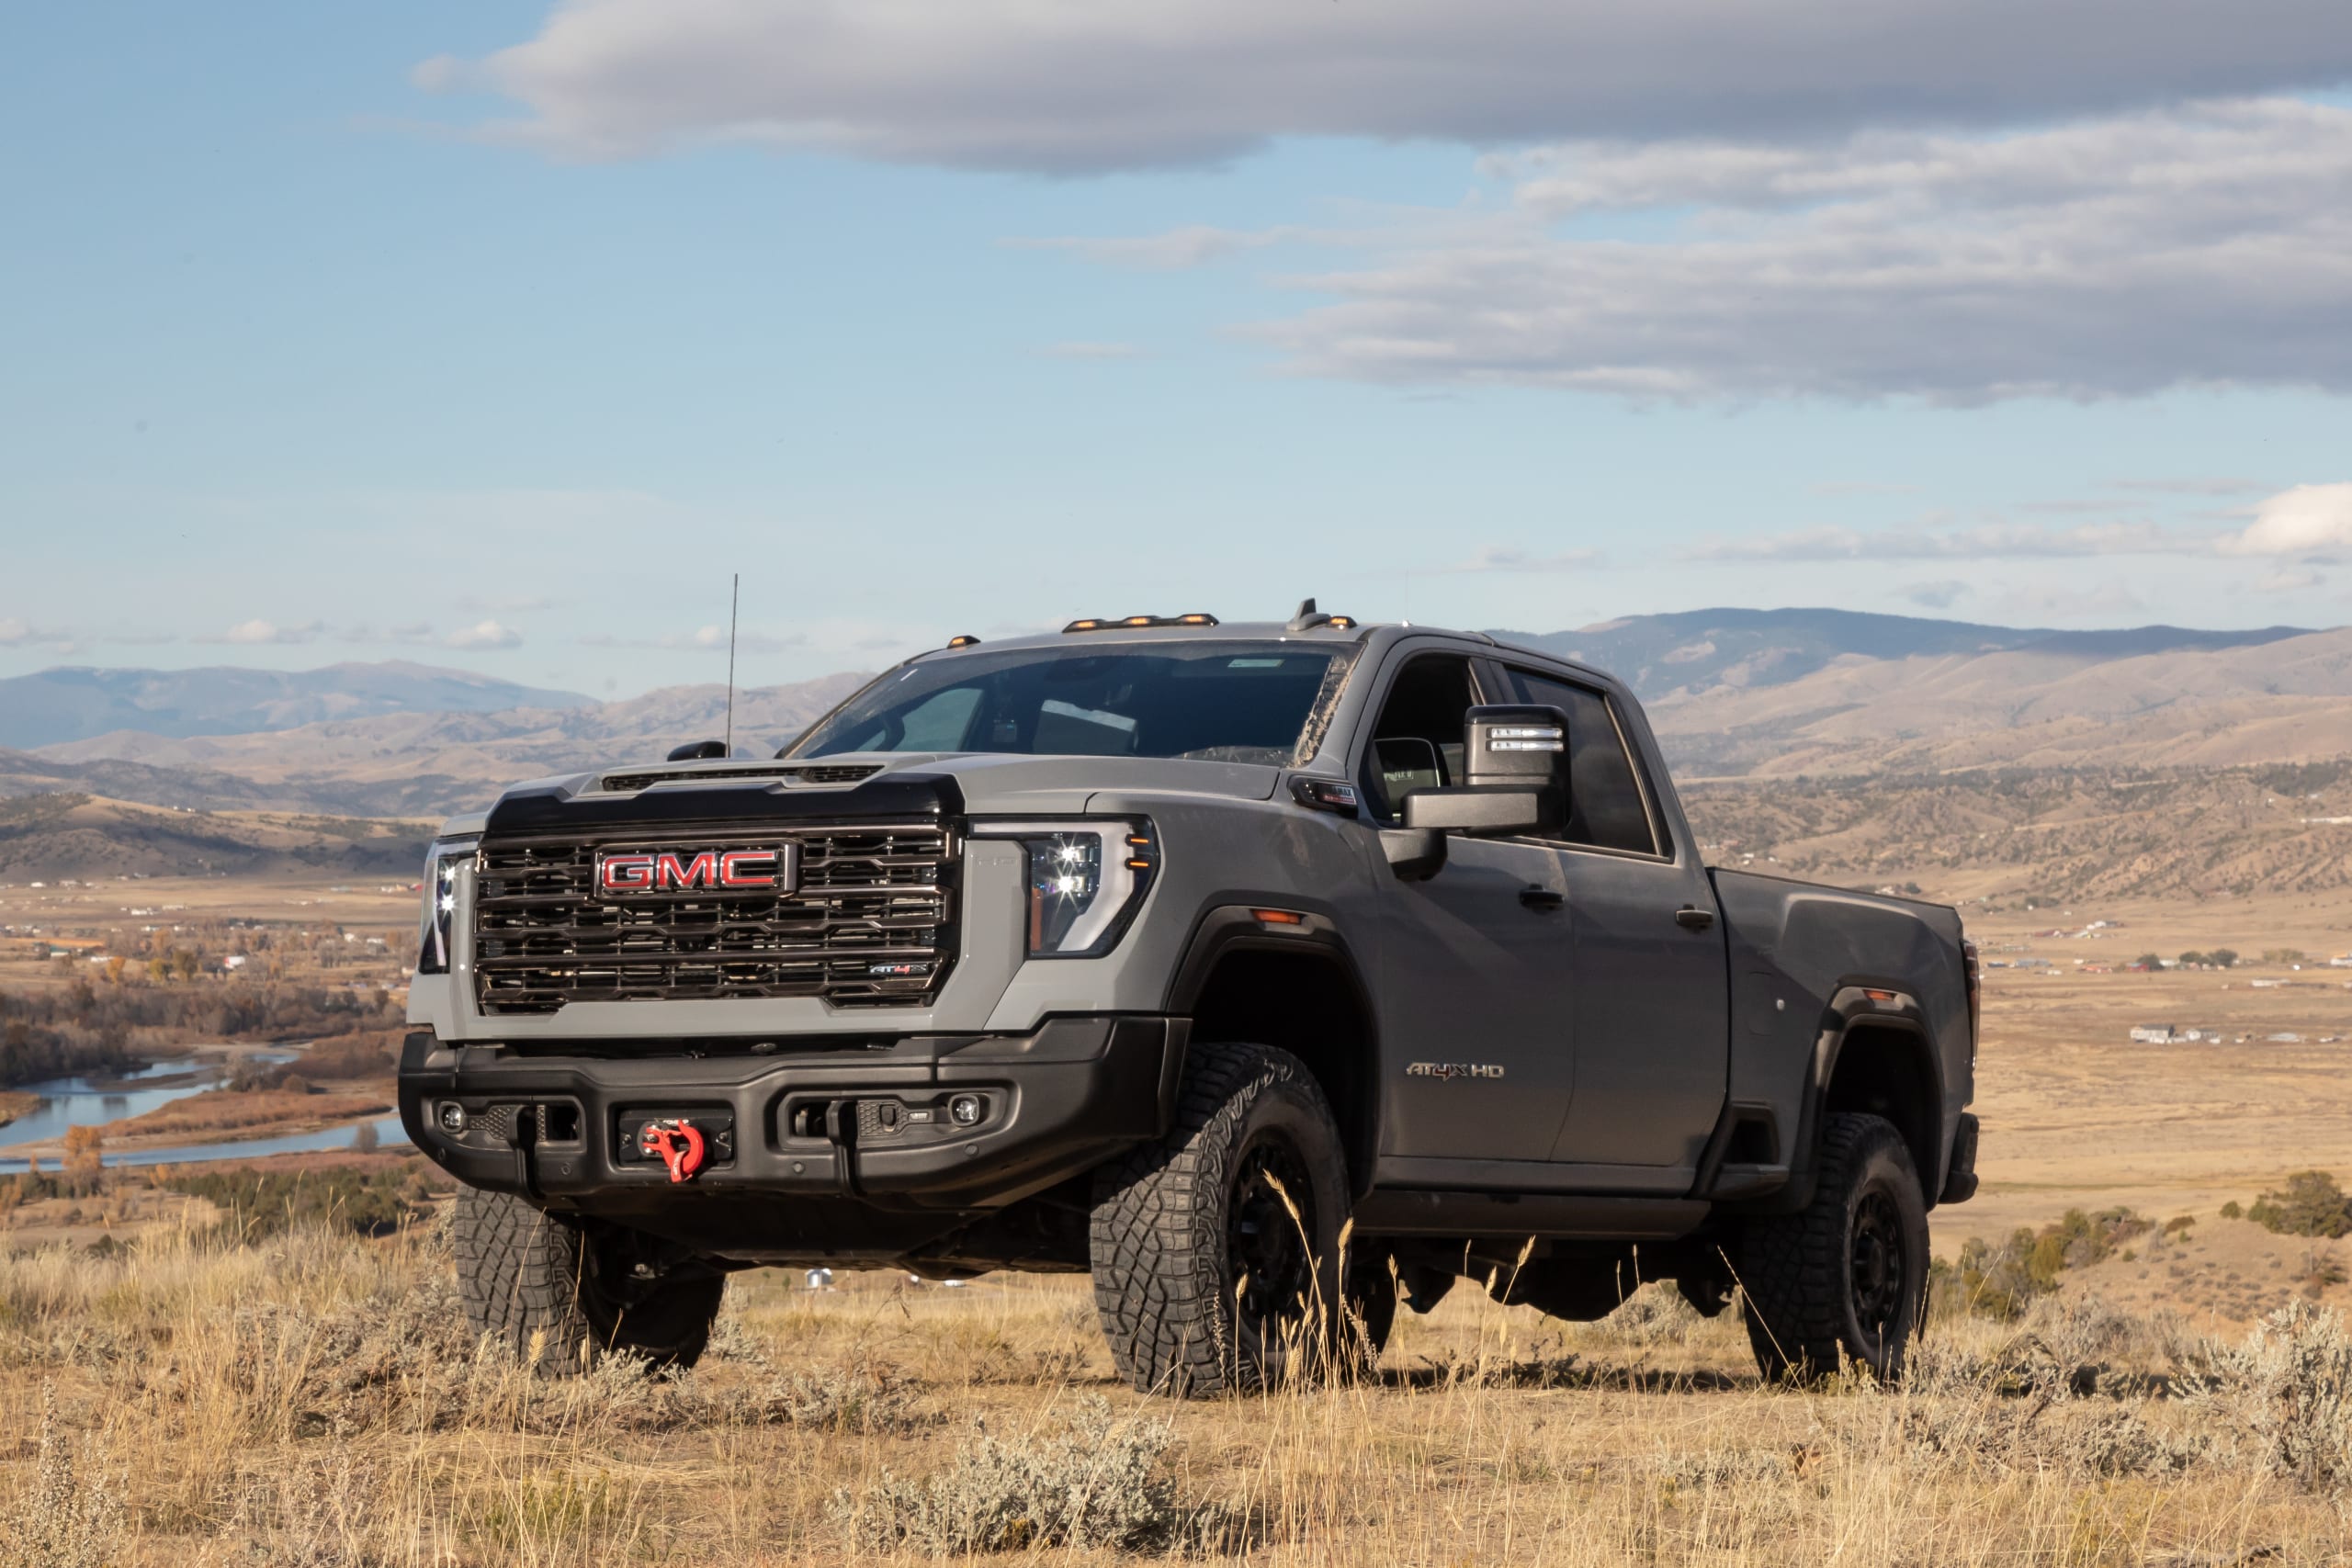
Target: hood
(906, 784)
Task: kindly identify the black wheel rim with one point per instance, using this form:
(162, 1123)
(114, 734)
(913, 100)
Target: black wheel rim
(1879, 1264)
(1272, 1266)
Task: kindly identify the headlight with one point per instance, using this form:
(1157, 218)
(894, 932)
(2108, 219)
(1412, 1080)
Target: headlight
(442, 863)
(1085, 881)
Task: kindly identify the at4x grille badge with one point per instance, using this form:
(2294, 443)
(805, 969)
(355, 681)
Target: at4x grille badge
(1455, 1070)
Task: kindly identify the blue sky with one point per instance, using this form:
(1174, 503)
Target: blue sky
(336, 332)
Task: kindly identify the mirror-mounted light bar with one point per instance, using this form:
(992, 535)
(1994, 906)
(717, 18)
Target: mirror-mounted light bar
(1093, 624)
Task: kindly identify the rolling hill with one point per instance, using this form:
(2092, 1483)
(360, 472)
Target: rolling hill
(1764, 693)
(76, 703)
(1695, 650)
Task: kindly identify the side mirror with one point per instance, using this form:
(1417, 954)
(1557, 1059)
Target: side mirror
(1515, 775)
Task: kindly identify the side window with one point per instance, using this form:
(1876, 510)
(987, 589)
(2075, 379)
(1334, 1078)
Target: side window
(1417, 741)
(1605, 806)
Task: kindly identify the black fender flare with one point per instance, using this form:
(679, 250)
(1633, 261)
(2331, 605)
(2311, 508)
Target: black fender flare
(1226, 927)
(1860, 1004)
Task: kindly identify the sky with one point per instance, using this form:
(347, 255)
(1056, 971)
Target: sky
(497, 335)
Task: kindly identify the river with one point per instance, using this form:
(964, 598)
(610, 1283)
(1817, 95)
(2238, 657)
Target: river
(80, 1103)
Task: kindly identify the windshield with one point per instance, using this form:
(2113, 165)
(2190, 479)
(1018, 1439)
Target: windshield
(1225, 702)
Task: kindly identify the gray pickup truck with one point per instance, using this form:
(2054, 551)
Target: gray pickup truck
(1272, 973)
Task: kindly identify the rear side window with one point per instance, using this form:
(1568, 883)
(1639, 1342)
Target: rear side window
(1605, 809)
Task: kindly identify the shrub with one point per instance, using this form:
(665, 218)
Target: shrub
(2312, 1206)
(2291, 1386)
(2001, 1279)
(2232, 1210)
(67, 1519)
(1095, 1484)
(262, 1203)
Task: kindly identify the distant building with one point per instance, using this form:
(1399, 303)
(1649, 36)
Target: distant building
(2153, 1033)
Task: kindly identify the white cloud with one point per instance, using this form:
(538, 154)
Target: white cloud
(2309, 521)
(2206, 244)
(1986, 541)
(1504, 557)
(258, 632)
(17, 633)
(1070, 86)
(2289, 580)
(486, 635)
(1939, 596)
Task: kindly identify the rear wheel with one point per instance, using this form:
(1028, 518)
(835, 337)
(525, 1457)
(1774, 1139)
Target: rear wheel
(526, 1276)
(1845, 1278)
(1215, 1250)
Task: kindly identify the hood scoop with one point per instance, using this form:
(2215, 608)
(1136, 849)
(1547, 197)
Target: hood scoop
(805, 773)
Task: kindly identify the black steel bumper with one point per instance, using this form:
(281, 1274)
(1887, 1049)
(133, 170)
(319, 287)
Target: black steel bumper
(876, 1125)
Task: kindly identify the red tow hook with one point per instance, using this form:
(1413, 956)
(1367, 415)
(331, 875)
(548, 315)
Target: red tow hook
(676, 1143)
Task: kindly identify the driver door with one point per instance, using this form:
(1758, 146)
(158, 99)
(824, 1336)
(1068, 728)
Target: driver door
(1476, 989)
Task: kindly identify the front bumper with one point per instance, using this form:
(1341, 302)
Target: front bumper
(870, 1124)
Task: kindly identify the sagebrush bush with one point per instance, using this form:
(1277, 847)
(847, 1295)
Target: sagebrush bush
(1096, 1484)
(2290, 1384)
(70, 1518)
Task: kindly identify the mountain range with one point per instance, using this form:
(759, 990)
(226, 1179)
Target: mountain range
(1757, 693)
(76, 703)
(1691, 651)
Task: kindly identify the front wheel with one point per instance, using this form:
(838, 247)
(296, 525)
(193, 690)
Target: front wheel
(1845, 1278)
(1215, 1250)
(547, 1288)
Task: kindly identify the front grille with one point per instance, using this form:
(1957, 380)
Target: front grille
(870, 924)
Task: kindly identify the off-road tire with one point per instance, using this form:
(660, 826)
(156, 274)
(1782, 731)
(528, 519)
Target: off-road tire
(1811, 1278)
(526, 1275)
(1162, 1231)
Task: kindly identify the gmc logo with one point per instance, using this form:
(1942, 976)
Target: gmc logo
(698, 870)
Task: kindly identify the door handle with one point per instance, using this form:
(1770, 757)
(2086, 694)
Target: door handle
(1541, 899)
(1691, 918)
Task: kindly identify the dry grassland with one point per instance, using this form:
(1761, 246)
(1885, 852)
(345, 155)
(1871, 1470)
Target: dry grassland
(2075, 1113)
(315, 1401)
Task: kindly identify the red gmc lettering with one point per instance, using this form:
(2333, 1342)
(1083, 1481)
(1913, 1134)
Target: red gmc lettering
(747, 868)
(702, 870)
(627, 873)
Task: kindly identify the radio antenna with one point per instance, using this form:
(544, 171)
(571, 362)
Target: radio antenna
(734, 598)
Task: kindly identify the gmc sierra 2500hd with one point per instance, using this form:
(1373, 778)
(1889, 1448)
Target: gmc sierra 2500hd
(1162, 950)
